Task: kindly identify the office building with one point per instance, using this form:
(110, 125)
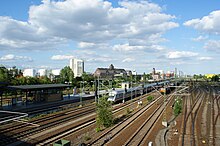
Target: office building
(77, 66)
(42, 72)
(29, 72)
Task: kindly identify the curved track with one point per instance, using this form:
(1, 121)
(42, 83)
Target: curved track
(191, 110)
(116, 131)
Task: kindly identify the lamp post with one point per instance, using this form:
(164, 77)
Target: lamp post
(93, 84)
(68, 89)
(82, 90)
(80, 93)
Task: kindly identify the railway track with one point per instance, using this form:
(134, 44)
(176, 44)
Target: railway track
(194, 116)
(115, 131)
(140, 136)
(16, 125)
(22, 131)
(215, 105)
(55, 133)
(189, 118)
(202, 125)
(135, 129)
(85, 125)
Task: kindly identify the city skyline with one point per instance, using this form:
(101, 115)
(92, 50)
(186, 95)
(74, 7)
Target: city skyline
(138, 35)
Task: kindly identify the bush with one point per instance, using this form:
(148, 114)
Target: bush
(128, 111)
(177, 107)
(150, 98)
(104, 113)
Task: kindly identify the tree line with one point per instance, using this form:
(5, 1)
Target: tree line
(214, 78)
(14, 76)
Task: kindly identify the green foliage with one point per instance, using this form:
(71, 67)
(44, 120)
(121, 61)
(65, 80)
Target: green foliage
(200, 76)
(104, 114)
(88, 77)
(98, 129)
(66, 74)
(14, 76)
(4, 74)
(44, 80)
(177, 107)
(150, 98)
(215, 78)
(128, 111)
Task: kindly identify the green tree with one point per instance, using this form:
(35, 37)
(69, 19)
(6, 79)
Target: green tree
(177, 106)
(215, 78)
(104, 113)
(21, 80)
(149, 76)
(4, 77)
(89, 78)
(32, 80)
(44, 80)
(195, 76)
(66, 74)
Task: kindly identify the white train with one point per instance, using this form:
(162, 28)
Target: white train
(123, 94)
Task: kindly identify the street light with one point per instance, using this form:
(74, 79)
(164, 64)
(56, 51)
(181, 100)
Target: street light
(82, 90)
(80, 93)
(68, 89)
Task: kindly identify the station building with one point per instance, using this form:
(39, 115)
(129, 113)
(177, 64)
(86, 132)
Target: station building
(33, 93)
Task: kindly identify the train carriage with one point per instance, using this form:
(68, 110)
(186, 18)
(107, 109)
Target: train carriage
(119, 95)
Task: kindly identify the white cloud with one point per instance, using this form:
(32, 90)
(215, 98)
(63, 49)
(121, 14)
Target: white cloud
(99, 59)
(212, 45)
(130, 48)
(210, 23)
(181, 54)
(61, 57)
(205, 58)
(104, 33)
(200, 38)
(12, 57)
(128, 60)
(54, 23)
(183, 62)
(16, 34)
(127, 47)
(85, 45)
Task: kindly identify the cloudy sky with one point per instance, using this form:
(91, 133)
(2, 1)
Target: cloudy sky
(135, 35)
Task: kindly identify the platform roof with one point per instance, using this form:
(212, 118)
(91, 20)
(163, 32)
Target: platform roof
(38, 87)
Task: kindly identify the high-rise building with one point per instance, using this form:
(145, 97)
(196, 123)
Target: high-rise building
(29, 72)
(56, 72)
(42, 72)
(77, 65)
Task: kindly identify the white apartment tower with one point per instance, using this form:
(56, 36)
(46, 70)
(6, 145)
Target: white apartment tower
(29, 72)
(77, 65)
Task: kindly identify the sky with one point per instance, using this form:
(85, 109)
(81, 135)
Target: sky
(135, 35)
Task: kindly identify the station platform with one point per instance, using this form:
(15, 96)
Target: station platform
(28, 108)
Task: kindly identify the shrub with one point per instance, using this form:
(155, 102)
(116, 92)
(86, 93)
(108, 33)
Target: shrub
(177, 107)
(104, 113)
(150, 98)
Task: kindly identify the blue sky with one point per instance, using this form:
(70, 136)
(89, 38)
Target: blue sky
(135, 35)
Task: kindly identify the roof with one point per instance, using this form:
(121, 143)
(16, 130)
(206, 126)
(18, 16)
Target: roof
(38, 87)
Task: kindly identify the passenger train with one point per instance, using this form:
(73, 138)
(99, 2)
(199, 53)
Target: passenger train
(124, 94)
